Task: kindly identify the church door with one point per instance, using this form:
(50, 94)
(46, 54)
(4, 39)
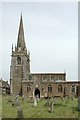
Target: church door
(37, 92)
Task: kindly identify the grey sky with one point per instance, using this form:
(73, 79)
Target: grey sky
(51, 35)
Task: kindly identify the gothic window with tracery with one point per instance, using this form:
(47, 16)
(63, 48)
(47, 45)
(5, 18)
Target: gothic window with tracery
(49, 88)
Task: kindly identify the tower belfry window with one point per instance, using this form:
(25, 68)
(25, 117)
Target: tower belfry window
(18, 60)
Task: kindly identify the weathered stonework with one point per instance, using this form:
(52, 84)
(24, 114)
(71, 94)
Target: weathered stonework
(22, 81)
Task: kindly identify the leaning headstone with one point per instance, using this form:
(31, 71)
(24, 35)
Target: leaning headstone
(35, 102)
(20, 113)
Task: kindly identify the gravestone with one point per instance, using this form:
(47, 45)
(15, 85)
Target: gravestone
(35, 102)
(52, 103)
(20, 113)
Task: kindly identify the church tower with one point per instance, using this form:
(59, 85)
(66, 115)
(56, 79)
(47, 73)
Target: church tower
(20, 62)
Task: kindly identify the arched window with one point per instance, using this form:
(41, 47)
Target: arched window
(60, 88)
(28, 87)
(18, 60)
(73, 89)
(49, 88)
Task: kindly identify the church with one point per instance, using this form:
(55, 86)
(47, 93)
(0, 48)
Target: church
(23, 82)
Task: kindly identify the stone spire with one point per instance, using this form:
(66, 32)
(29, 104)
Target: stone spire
(21, 41)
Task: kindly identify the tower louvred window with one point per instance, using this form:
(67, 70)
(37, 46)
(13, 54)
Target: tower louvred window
(18, 60)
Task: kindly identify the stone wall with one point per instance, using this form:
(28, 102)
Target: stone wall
(68, 88)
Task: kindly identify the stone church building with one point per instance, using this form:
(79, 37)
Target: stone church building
(22, 81)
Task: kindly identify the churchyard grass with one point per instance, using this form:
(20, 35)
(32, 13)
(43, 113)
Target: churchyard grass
(62, 109)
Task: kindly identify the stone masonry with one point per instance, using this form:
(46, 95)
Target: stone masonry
(22, 81)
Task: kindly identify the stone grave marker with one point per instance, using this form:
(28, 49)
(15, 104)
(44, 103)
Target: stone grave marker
(35, 102)
(52, 104)
(20, 113)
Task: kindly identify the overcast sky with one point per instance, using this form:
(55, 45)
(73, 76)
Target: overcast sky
(51, 35)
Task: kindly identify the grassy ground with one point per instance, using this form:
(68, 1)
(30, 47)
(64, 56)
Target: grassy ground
(62, 109)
